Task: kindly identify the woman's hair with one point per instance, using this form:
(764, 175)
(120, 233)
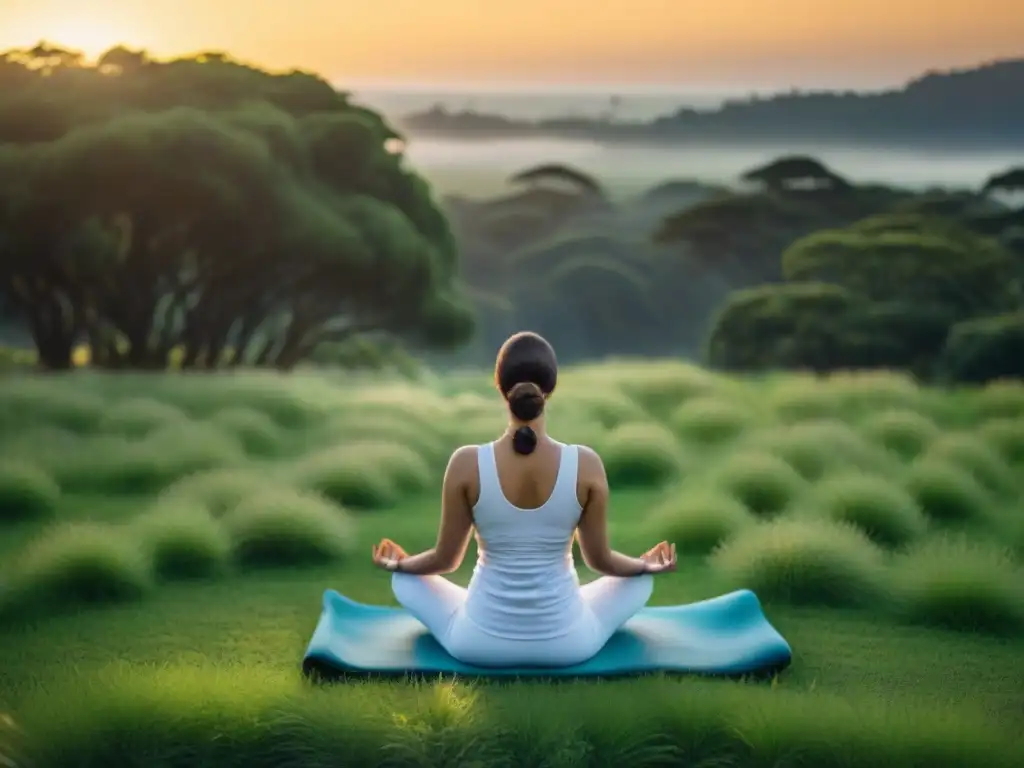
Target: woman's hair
(525, 373)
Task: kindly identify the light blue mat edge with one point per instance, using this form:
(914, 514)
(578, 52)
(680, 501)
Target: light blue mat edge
(769, 653)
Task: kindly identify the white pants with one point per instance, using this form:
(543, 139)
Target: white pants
(439, 604)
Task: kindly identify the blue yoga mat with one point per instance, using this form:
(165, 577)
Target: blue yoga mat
(727, 635)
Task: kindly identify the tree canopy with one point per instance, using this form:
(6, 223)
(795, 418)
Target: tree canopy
(209, 207)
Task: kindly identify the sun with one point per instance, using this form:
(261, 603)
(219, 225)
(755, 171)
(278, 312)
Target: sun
(93, 37)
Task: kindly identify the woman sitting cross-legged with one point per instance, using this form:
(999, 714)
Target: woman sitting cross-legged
(527, 496)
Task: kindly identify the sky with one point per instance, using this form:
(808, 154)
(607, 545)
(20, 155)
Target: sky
(695, 44)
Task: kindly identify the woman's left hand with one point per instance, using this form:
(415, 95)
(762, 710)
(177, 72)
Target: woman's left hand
(387, 554)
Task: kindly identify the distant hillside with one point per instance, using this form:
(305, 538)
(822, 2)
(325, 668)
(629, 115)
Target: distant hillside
(979, 107)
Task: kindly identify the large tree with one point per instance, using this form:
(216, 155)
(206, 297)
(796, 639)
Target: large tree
(209, 207)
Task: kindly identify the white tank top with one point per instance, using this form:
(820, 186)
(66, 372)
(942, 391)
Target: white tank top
(525, 586)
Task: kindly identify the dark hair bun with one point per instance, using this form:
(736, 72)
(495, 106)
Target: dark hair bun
(524, 440)
(526, 401)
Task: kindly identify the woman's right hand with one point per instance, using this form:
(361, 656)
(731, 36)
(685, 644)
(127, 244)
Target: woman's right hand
(660, 558)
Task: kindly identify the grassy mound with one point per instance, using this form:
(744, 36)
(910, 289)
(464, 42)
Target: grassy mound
(256, 431)
(606, 407)
(1007, 437)
(764, 484)
(191, 716)
(26, 492)
(33, 401)
(1001, 399)
(947, 493)
(979, 459)
(698, 522)
(964, 585)
(137, 417)
(348, 478)
(814, 448)
(429, 442)
(804, 561)
(641, 455)
(221, 490)
(905, 433)
(801, 399)
(115, 465)
(708, 421)
(404, 468)
(882, 510)
(286, 528)
(183, 542)
(75, 564)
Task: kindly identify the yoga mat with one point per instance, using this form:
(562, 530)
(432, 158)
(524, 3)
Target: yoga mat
(727, 635)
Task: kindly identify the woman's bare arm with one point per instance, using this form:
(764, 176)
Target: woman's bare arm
(456, 521)
(593, 528)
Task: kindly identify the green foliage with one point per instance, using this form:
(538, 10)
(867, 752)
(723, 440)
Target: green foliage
(74, 565)
(963, 585)
(350, 479)
(185, 249)
(26, 492)
(708, 421)
(286, 528)
(905, 433)
(984, 349)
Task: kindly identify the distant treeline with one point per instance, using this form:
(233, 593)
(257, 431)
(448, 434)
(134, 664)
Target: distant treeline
(979, 107)
(204, 214)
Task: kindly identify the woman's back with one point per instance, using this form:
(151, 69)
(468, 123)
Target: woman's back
(525, 585)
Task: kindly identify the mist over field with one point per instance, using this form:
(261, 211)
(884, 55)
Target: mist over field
(460, 167)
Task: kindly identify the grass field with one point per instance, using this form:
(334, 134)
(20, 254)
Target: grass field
(165, 540)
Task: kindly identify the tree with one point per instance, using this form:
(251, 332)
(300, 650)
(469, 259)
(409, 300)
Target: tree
(582, 183)
(945, 267)
(984, 349)
(796, 172)
(1011, 180)
(212, 208)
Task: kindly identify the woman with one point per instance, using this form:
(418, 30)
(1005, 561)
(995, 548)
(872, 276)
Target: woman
(527, 496)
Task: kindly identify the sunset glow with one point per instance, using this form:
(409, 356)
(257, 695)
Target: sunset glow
(681, 42)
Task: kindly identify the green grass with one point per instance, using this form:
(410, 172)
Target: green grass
(166, 540)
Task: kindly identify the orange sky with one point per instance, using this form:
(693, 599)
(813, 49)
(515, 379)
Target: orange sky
(697, 43)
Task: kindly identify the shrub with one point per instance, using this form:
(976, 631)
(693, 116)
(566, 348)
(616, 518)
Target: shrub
(26, 492)
(708, 420)
(660, 388)
(814, 562)
(429, 442)
(1001, 399)
(954, 583)
(138, 417)
(256, 431)
(221, 490)
(905, 433)
(347, 478)
(764, 484)
(183, 542)
(801, 400)
(606, 406)
(698, 522)
(75, 564)
(883, 511)
(985, 349)
(978, 459)
(288, 529)
(946, 493)
(641, 454)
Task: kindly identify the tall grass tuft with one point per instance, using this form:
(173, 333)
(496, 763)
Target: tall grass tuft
(26, 492)
(956, 583)
(881, 509)
(76, 564)
(804, 561)
(288, 528)
(764, 484)
(698, 521)
(183, 542)
(641, 454)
